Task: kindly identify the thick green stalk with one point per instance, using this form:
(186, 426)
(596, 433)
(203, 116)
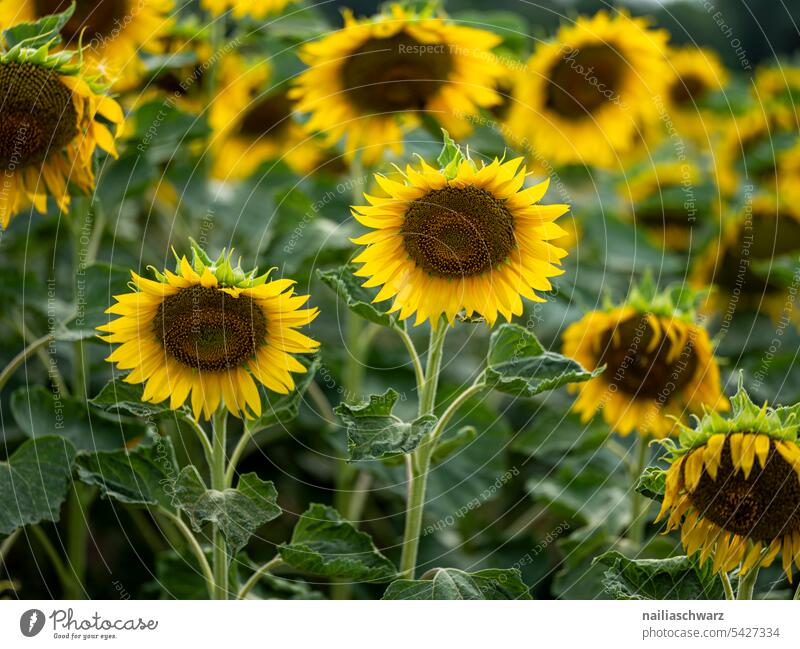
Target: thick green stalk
(20, 358)
(64, 575)
(77, 520)
(220, 557)
(260, 572)
(639, 504)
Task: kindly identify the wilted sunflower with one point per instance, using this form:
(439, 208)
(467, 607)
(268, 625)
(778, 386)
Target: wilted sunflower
(368, 80)
(733, 487)
(241, 8)
(206, 331)
(659, 365)
(586, 93)
(49, 129)
(114, 32)
(253, 123)
(467, 237)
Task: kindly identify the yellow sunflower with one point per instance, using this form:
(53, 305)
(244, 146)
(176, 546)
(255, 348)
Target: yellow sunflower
(49, 129)
(241, 8)
(114, 32)
(586, 93)
(778, 88)
(659, 365)
(253, 123)
(733, 487)
(464, 238)
(206, 331)
(367, 81)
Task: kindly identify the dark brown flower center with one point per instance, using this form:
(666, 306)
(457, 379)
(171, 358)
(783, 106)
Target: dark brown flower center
(641, 372)
(95, 18)
(395, 74)
(762, 507)
(458, 232)
(269, 116)
(36, 114)
(583, 80)
(687, 89)
(209, 330)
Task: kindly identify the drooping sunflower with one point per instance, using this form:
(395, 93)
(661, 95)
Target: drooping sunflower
(369, 80)
(240, 8)
(587, 92)
(733, 487)
(659, 364)
(114, 32)
(208, 332)
(253, 123)
(467, 238)
(50, 126)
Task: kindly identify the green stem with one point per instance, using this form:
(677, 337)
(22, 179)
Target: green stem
(200, 433)
(638, 502)
(78, 502)
(747, 583)
(6, 545)
(20, 358)
(64, 576)
(418, 463)
(250, 583)
(241, 445)
(419, 373)
(197, 550)
(726, 586)
(220, 558)
(145, 529)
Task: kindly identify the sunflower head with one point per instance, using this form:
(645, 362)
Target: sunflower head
(375, 76)
(463, 238)
(659, 362)
(258, 9)
(207, 332)
(733, 486)
(52, 115)
(697, 73)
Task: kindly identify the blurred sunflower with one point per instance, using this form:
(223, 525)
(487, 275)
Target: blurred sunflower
(49, 129)
(586, 93)
(696, 74)
(659, 364)
(253, 123)
(206, 331)
(778, 88)
(368, 81)
(742, 263)
(467, 237)
(241, 8)
(733, 487)
(114, 33)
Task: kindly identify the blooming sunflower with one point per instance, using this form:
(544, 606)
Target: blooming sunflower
(659, 364)
(367, 81)
(49, 128)
(778, 87)
(587, 92)
(241, 8)
(253, 124)
(733, 487)
(206, 331)
(466, 237)
(114, 32)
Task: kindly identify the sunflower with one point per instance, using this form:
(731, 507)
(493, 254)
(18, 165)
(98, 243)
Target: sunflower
(586, 93)
(778, 88)
(253, 123)
(240, 8)
(464, 238)
(206, 331)
(49, 129)
(367, 81)
(696, 74)
(733, 487)
(114, 32)
(659, 365)
(742, 264)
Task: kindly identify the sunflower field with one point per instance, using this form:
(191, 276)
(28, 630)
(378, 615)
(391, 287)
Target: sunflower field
(415, 300)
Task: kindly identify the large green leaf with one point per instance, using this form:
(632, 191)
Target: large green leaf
(449, 583)
(238, 512)
(659, 579)
(374, 432)
(40, 32)
(144, 475)
(118, 395)
(652, 483)
(518, 364)
(34, 482)
(554, 431)
(357, 298)
(283, 408)
(323, 543)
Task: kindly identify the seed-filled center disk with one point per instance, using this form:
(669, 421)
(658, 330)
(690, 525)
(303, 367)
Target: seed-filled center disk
(209, 330)
(267, 117)
(98, 18)
(583, 80)
(687, 89)
(762, 507)
(395, 74)
(638, 371)
(458, 232)
(36, 114)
